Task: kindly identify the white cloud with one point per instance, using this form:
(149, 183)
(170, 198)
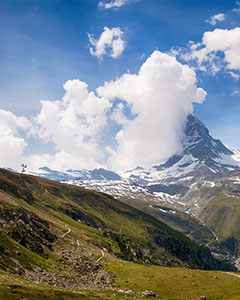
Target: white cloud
(113, 4)
(118, 115)
(234, 93)
(73, 125)
(110, 43)
(237, 10)
(12, 144)
(160, 96)
(216, 18)
(214, 43)
(152, 114)
(235, 76)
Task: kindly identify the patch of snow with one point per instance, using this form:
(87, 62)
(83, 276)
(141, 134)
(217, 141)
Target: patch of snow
(162, 210)
(186, 178)
(212, 184)
(209, 183)
(232, 160)
(211, 169)
(167, 211)
(181, 203)
(213, 143)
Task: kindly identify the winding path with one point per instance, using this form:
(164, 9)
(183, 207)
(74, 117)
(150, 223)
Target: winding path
(102, 256)
(62, 236)
(213, 233)
(45, 192)
(232, 274)
(67, 232)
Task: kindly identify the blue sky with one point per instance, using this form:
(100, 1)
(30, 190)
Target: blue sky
(46, 43)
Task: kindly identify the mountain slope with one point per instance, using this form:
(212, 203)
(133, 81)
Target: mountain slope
(53, 232)
(222, 212)
(164, 207)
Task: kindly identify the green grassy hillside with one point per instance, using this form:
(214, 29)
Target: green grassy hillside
(222, 215)
(35, 212)
(64, 242)
(222, 212)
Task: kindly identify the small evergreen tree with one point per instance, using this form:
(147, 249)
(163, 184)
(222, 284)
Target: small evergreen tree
(24, 167)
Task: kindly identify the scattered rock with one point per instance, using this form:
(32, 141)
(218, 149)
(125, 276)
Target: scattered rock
(92, 294)
(125, 291)
(148, 293)
(80, 273)
(194, 284)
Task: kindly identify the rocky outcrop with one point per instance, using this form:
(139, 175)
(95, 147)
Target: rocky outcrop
(27, 229)
(16, 191)
(80, 216)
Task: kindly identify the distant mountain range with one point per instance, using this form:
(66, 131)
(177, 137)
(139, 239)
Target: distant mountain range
(203, 157)
(96, 174)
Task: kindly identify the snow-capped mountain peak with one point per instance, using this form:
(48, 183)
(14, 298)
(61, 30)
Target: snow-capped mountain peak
(200, 143)
(202, 157)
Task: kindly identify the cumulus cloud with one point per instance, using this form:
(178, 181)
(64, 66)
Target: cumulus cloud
(114, 4)
(159, 97)
(219, 41)
(216, 18)
(110, 43)
(149, 107)
(12, 144)
(74, 126)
